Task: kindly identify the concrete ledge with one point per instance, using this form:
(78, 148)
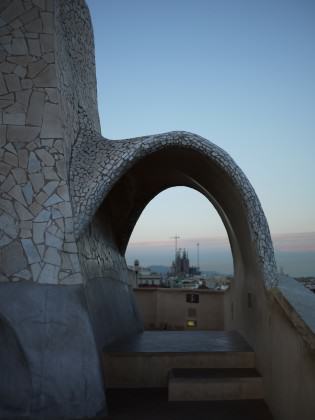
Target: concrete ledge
(299, 305)
(214, 384)
(145, 360)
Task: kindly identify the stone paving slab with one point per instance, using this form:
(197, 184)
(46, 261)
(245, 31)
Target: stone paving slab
(143, 404)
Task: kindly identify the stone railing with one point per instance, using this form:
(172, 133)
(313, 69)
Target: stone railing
(299, 305)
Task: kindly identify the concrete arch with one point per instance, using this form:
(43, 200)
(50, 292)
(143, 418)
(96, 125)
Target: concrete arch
(162, 174)
(121, 177)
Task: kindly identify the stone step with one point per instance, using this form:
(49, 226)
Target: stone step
(214, 384)
(146, 360)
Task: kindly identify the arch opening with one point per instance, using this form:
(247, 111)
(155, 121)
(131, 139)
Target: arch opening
(150, 166)
(199, 230)
(180, 167)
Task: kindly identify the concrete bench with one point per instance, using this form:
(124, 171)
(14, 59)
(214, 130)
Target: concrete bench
(214, 384)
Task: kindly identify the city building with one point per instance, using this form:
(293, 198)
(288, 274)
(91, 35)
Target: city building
(145, 277)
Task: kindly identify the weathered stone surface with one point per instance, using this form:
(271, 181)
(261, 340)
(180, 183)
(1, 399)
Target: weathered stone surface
(52, 256)
(3, 88)
(52, 200)
(12, 82)
(8, 184)
(19, 46)
(35, 269)
(30, 15)
(6, 67)
(17, 118)
(49, 274)
(53, 97)
(48, 22)
(22, 97)
(47, 77)
(50, 174)
(51, 125)
(28, 193)
(50, 187)
(43, 216)
(47, 43)
(22, 134)
(46, 157)
(23, 158)
(38, 232)
(36, 26)
(16, 193)
(19, 175)
(24, 274)
(3, 135)
(40, 4)
(35, 208)
(35, 68)
(14, 9)
(8, 225)
(35, 110)
(34, 47)
(11, 265)
(10, 158)
(22, 211)
(27, 83)
(37, 181)
(33, 163)
(20, 71)
(30, 251)
(4, 168)
(72, 279)
(53, 241)
(7, 206)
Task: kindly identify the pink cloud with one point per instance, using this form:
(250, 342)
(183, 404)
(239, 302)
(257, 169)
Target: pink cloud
(289, 242)
(295, 242)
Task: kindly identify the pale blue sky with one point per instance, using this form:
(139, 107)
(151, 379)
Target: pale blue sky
(238, 72)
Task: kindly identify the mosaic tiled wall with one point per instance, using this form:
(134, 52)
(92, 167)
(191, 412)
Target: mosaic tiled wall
(98, 164)
(36, 239)
(50, 142)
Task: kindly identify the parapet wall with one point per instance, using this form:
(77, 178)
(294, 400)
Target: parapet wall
(168, 309)
(285, 345)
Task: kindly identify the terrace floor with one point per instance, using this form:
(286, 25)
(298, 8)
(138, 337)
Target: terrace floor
(153, 404)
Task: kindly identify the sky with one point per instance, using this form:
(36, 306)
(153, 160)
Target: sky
(240, 73)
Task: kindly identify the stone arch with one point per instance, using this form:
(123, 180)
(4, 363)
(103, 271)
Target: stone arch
(121, 177)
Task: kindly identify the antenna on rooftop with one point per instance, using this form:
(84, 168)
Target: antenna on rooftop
(198, 255)
(176, 237)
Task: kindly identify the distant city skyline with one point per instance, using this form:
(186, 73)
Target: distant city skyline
(295, 253)
(196, 221)
(241, 74)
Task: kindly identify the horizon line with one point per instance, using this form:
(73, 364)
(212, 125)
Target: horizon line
(292, 241)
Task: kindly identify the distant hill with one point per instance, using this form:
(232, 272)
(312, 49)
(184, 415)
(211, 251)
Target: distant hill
(162, 269)
(214, 273)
